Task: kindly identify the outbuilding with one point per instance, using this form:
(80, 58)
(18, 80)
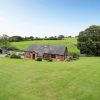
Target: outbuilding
(55, 52)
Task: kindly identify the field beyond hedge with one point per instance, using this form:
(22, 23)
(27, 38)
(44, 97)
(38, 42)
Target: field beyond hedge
(69, 42)
(31, 80)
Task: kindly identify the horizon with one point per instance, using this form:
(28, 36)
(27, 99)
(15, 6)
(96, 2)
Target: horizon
(40, 18)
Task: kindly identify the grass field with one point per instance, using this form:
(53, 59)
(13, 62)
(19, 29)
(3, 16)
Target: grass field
(69, 42)
(32, 80)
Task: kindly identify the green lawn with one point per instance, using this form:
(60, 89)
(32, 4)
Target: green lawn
(69, 42)
(32, 80)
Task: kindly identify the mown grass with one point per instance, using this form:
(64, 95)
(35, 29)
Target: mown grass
(69, 42)
(31, 80)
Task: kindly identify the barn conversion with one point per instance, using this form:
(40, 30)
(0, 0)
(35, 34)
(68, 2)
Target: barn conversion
(55, 52)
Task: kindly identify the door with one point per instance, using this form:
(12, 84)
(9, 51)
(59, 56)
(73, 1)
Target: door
(33, 56)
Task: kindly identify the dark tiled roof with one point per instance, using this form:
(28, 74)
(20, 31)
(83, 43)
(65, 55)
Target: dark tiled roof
(40, 49)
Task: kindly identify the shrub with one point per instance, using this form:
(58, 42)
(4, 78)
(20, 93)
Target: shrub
(75, 55)
(7, 55)
(70, 58)
(39, 59)
(75, 58)
(15, 56)
(50, 60)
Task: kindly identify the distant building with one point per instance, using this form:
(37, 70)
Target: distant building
(3, 51)
(55, 52)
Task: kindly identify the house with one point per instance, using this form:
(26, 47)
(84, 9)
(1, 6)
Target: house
(55, 52)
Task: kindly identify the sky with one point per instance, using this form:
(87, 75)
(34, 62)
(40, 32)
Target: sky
(41, 18)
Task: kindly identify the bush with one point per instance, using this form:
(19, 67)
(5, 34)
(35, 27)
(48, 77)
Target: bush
(50, 60)
(7, 55)
(69, 58)
(39, 59)
(75, 55)
(15, 56)
(75, 58)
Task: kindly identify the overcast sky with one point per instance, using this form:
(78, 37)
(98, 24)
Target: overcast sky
(47, 17)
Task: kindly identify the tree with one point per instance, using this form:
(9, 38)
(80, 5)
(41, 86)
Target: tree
(60, 37)
(53, 38)
(4, 41)
(16, 39)
(89, 41)
(69, 36)
(31, 38)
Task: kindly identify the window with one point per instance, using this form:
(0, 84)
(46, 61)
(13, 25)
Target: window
(53, 56)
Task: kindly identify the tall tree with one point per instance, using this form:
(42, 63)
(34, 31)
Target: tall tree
(89, 41)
